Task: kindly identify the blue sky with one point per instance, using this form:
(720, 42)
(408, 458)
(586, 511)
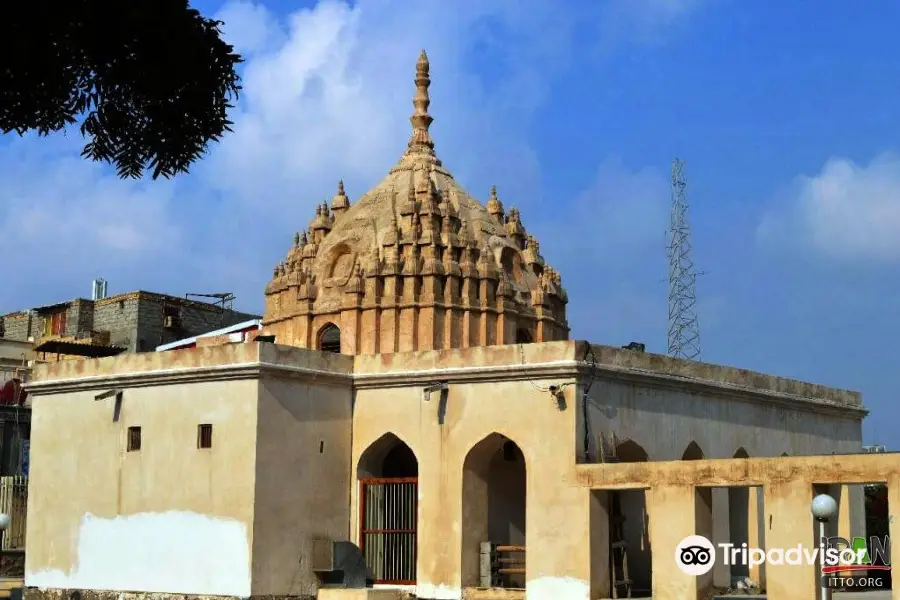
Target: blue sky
(786, 117)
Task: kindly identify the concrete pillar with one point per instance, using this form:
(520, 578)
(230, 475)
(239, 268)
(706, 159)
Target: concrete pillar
(789, 523)
(842, 495)
(703, 519)
(721, 533)
(600, 540)
(756, 531)
(560, 564)
(678, 504)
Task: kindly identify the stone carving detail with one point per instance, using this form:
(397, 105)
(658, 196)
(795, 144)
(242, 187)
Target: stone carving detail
(416, 263)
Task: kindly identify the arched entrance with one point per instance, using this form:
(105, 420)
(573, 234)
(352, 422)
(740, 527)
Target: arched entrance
(493, 512)
(330, 338)
(388, 474)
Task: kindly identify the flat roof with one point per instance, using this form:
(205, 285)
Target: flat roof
(223, 331)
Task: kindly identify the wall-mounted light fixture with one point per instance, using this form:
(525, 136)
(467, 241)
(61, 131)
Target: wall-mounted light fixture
(117, 408)
(434, 387)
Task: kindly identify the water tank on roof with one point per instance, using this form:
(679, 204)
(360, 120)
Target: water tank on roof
(99, 289)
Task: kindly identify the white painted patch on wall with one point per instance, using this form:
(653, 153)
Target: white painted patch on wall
(437, 592)
(557, 588)
(173, 552)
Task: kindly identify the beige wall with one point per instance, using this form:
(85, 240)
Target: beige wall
(290, 429)
(302, 482)
(103, 518)
(524, 412)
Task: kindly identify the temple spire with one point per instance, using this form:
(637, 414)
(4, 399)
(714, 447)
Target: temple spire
(420, 119)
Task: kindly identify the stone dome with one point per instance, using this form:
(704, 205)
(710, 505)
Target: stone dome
(416, 241)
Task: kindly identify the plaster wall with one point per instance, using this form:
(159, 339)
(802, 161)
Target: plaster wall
(167, 518)
(665, 419)
(302, 479)
(522, 411)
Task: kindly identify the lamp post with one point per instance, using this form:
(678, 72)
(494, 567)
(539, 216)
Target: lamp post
(824, 507)
(4, 525)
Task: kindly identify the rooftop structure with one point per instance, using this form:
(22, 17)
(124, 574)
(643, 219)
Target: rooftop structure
(416, 264)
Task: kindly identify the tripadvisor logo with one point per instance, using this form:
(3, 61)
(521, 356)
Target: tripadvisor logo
(696, 555)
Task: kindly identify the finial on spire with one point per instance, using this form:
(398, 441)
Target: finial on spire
(420, 119)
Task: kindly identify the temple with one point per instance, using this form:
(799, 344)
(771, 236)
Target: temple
(416, 264)
(412, 420)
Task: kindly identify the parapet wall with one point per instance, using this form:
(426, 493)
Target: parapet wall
(601, 360)
(620, 359)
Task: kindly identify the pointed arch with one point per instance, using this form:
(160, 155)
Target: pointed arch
(388, 509)
(494, 490)
(632, 506)
(387, 457)
(329, 338)
(741, 453)
(630, 451)
(692, 452)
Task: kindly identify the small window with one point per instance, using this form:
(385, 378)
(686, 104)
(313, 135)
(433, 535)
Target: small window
(134, 439)
(330, 339)
(204, 436)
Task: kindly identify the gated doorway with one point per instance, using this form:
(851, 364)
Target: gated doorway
(388, 510)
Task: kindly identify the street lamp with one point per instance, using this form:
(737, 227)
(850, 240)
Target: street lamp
(824, 507)
(4, 525)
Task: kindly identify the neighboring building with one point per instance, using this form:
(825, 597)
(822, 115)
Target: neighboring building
(235, 333)
(16, 359)
(422, 399)
(132, 322)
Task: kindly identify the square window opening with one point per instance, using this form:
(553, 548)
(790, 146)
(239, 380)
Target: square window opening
(134, 439)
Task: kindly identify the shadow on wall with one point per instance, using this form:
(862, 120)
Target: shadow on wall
(494, 499)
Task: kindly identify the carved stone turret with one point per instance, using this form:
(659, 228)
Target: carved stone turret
(340, 204)
(415, 264)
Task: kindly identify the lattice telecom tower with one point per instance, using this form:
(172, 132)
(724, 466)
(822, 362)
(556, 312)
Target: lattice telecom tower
(684, 327)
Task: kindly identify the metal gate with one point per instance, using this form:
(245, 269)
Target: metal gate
(388, 511)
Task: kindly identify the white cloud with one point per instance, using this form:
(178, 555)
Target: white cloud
(847, 212)
(623, 211)
(327, 94)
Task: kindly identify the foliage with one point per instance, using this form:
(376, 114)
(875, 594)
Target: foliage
(150, 80)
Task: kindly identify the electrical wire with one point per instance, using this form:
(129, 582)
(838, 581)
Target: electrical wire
(553, 390)
(588, 354)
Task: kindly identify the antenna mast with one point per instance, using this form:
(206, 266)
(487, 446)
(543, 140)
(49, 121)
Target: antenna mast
(684, 327)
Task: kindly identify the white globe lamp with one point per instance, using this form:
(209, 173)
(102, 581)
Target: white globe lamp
(824, 507)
